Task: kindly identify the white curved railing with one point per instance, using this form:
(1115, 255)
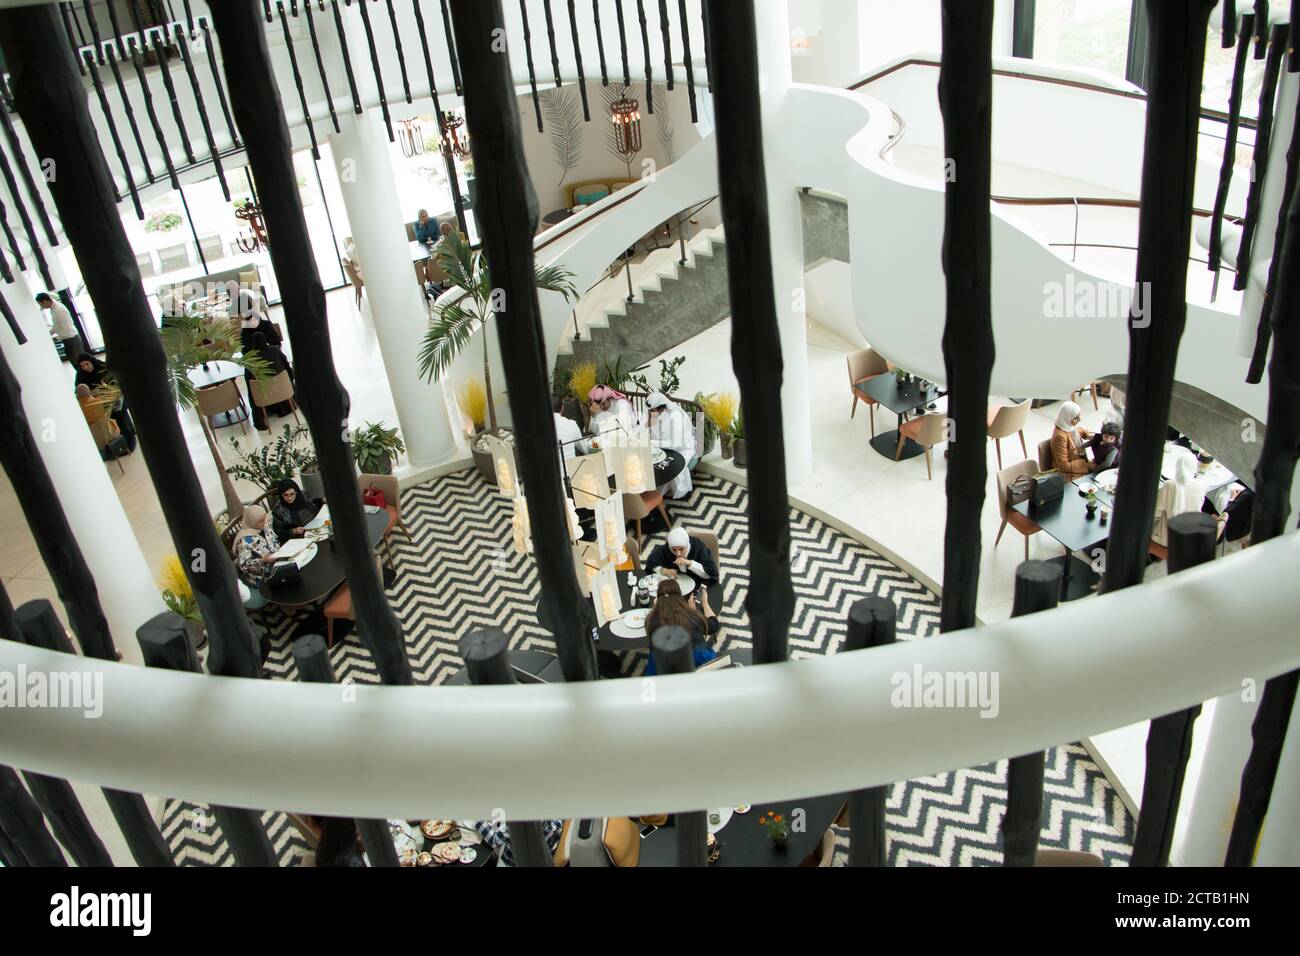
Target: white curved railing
(821, 725)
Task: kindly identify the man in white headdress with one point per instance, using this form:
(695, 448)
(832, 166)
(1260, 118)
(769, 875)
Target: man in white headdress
(684, 555)
(671, 429)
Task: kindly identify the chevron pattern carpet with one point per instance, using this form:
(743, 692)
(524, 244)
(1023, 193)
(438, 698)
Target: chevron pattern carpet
(456, 573)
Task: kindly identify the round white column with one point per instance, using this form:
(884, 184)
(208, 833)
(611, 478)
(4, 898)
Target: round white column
(1202, 836)
(785, 220)
(1279, 842)
(396, 302)
(122, 577)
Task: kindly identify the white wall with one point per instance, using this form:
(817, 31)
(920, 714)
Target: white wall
(829, 290)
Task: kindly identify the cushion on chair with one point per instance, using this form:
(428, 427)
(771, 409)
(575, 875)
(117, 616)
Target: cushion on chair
(652, 499)
(586, 197)
(340, 605)
(1021, 523)
(911, 429)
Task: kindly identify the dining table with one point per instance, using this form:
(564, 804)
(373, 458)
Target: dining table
(901, 398)
(1067, 520)
(615, 642)
(214, 373)
(743, 841)
(323, 573)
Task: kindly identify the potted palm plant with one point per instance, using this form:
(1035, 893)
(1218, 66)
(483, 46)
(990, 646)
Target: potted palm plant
(739, 457)
(375, 448)
(457, 318)
(190, 342)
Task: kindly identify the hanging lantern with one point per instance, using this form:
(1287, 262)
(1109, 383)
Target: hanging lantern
(625, 114)
(454, 135)
(521, 527)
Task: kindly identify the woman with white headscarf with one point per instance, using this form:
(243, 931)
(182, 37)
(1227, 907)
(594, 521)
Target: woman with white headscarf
(671, 429)
(255, 545)
(1179, 495)
(1069, 454)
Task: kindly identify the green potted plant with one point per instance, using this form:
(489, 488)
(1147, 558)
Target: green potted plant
(1091, 506)
(285, 457)
(179, 598)
(375, 448)
(457, 318)
(740, 458)
(777, 829)
(710, 429)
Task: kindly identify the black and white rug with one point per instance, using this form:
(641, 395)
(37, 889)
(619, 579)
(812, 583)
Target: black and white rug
(458, 572)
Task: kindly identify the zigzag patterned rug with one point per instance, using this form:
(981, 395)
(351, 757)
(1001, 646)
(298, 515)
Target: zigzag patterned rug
(457, 573)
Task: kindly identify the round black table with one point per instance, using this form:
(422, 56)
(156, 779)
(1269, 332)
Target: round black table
(323, 573)
(557, 216)
(214, 373)
(666, 470)
(612, 643)
(744, 841)
(901, 399)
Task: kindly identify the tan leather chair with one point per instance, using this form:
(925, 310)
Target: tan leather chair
(1008, 420)
(637, 507)
(393, 503)
(273, 391)
(710, 541)
(221, 398)
(354, 276)
(1024, 525)
(863, 366)
(1045, 456)
(927, 430)
(104, 431)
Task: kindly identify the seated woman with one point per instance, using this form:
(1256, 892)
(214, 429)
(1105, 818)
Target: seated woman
(277, 362)
(292, 509)
(255, 545)
(1105, 446)
(673, 609)
(611, 412)
(1068, 441)
(684, 555)
(94, 374)
(1179, 495)
(671, 429)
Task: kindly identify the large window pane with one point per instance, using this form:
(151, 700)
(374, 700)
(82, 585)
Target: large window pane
(1092, 33)
(421, 173)
(1216, 82)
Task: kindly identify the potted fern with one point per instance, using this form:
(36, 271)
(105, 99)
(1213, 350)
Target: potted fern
(285, 457)
(457, 318)
(375, 448)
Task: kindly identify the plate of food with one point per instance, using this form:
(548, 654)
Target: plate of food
(437, 829)
(658, 456)
(447, 852)
(636, 619)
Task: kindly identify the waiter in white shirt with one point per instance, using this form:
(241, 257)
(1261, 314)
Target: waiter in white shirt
(568, 434)
(61, 326)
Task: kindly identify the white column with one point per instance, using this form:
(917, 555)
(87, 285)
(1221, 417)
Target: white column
(785, 220)
(1279, 843)
(1202, 837)
(122, 577)
(396, 301)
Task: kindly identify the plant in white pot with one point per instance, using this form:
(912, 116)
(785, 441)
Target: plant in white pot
(457, 318)
(375, 448)
(285, 457)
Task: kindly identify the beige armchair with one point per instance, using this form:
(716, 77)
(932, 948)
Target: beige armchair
(1010, 516)
(638, 507)
(927, 430)
(218, 399)
(273, 391)
(863, 366)
(1008, 420)
(392, 502)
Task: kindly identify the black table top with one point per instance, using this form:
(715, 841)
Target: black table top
(899, 399)
(557, 216)
(324, 572)
(1067, 521)
(609, 641)
(214, 373)
(744, 840)
(669, 468)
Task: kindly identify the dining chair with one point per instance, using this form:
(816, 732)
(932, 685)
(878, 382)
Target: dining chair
(1026, 526)
(1045, 456)
(339, 606)
(1008, 420)
(710, 541)
(230, 532)
(102, 432)
(865, 365)
(354, 276)
(1090, 387)
(392, 503)
(927, 430)
(273, 391)
(221, 398)
(636, 507)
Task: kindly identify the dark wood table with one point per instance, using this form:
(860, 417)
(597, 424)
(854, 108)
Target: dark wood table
(213, 374)
(901, 400)
(744, 841)
(611, 643)
(323, 573)
(557, 216)
(1067, 521)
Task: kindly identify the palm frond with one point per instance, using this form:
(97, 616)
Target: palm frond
(192, 341)
(457, 260)
(452, 328)
(557, 279)
(664, 124)
(560, 108)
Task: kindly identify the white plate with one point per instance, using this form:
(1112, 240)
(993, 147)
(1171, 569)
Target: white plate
(619, 629)
(719, 818)
(1106, 480)
(658, 456)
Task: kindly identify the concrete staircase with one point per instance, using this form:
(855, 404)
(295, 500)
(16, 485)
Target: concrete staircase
(671, 304)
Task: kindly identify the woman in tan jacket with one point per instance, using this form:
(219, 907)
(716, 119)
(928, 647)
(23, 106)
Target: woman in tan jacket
(1069, 455)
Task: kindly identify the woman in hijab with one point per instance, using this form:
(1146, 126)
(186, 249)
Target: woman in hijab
(671, 429)
(94, 374)
(1069, 456)
(253, 323)
(673, 609)
(255, 545)
(1179, 495)
(292, 510)
(277, 363)
(610, 411)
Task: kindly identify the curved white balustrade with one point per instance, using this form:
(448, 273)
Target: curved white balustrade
(671, 743)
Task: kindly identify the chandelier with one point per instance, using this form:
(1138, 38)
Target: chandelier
(454, 135)
(625, 114)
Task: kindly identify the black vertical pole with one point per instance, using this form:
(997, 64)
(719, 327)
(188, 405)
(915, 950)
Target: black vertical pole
(550, 39)
(256, 102)
(1037, 588)
(1169, 740)
(221, 87)
(622, 42)
(665, 31)
(126, 42)
(104, 108)
(577, 55)
(320, 62)
(160, 51)
(312, 658)
(1261, 28)
(451, 49)
(507, 220)
(671, 647)
(397, 44)
(528, 54)
(165, 645)
(966, 102)
(1023, 14)
(347, 58)
(117, 78)
(1259, 166)
(1229, 144)
(52, 101)
(645, 55)
(756, 338)
(686, 57)
(1177, 52)
(871, 624)
(363, 6)
(182, 43)
(297, 79)
(600, 43)
(487, 652)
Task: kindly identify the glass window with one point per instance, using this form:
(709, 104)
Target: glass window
(1091, 33)
(421, 173)
(1216, 82)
